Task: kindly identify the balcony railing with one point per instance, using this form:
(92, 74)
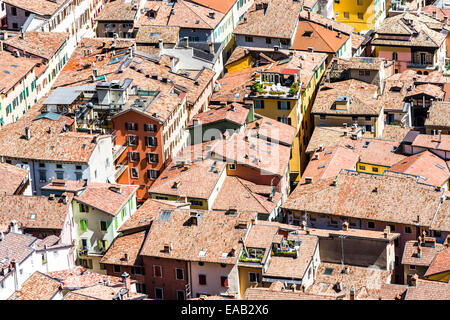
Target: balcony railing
(416, 65)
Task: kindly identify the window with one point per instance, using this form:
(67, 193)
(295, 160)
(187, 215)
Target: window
(103, 226)
(134, 173)
(159, 295)
(132, 140)
(148, 127)
(413, 267)
(131, 126)
(157, 271)
(152, 157)
(153, 174)
(253, 277)
(41, 165)
(248, 39)
(14, 11)
(83, 207)
(179, 274)
(408, 230)
(374, 169)
(151, 141)
(224, 281)
(42, 176)
(84, 244)
(346, 15)
(59, 166)
(268, 41)
(359, 2)
(394, 56)
(258, 104)
(284, 105)
(116, 268)
(285, 120)
(284, 42)
(83, 225)
(140, 288)
(362, 167)
(232, 166)
(360, 16)
(133, 156)
(59, 174)
(202, 279)
(138, 270)
(371, 225)
(180, 295)
(102, 245)
(78, 175)
(197, 203)
(323, 117)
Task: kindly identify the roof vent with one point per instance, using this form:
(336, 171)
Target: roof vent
(115, 189)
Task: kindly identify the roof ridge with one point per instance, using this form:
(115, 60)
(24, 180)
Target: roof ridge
(248, 189)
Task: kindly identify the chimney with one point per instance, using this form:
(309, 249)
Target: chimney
(447, 241)
(434, 14)
(186, 41)
(160, 44)
(172, 64)
(352, 294)
(339, 35)
(387, 231)
(27, 133)
(419, 251)
(303, 225)
(309, 15)
(345, 226)
(1, 46)
(2, 236)
(211, 47)
(13, 227)
(445, 20)
(310, 49)
(346, 270)
(126, 281)
(440, 135)
(308, 180)
(414, 279)
(22, 34)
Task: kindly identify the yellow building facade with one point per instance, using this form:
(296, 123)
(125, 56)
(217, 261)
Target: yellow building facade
(370, 168)
(360, 14)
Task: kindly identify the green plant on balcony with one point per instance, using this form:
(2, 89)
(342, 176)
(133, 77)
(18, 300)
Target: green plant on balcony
(256, 87)
(245, 258)
(294, 89)
(276, 92)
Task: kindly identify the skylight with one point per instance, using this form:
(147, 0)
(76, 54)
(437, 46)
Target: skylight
(308, 33)
(328, 271)
(165, 215)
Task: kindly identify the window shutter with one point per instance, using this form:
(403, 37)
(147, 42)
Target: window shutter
(116, 223)
(108, 223)
(106, 245)
(99, 244)
(279, 105)
(90, 263)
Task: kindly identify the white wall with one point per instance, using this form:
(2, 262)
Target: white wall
(101, 166)
(213, 272)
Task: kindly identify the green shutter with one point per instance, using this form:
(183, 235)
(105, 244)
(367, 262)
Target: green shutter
(83, 225)
(115, 223)
(99, 244)
(108, 223)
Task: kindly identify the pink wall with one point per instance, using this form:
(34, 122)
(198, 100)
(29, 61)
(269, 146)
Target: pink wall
(403, 57)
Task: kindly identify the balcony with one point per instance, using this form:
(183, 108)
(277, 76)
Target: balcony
(252, 255)
(418, 65)
(118, 150)
(119, 170)
(269, 89)
(286, 248)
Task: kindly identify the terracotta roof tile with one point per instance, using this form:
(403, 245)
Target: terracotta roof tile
(37, 287)
(318, 37)
(216, 234)
(329, 163)
(277, 21)
(439, 115)
(117, 11)
(429, 290)
(430, 168)
(41, 44)
(13, 70)
(80, 277)
(411, 257)
(395, 133)
(366, 282)
(398, 198)
(125, 250)
(102, 292)
(12, 177)
(40, 7)
(48, 214)
(233, 113)
(362, 95)
(328, 137)
(440, 263)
